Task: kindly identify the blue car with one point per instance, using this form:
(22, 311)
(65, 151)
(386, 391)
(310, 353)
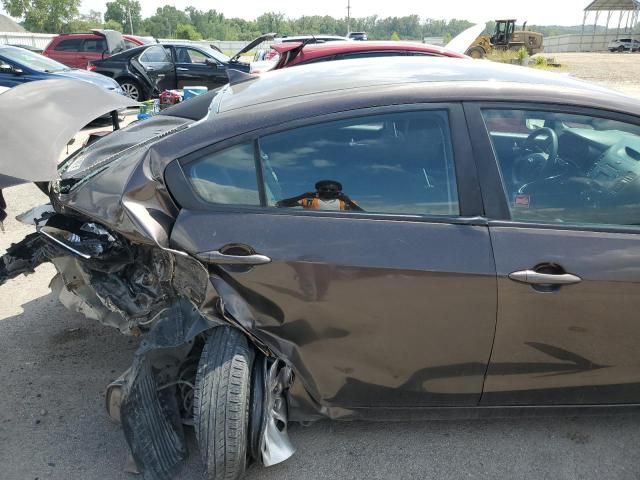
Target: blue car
(18, 65)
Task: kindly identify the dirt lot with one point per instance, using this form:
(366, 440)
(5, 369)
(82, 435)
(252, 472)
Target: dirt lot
(54, 367)
(620, 71)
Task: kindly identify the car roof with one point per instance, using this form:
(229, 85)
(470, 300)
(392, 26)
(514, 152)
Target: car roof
(452, 78)
(93, 35)
(318, 50)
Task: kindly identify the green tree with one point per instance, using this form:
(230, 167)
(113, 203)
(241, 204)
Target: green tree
(273, 22)
(165, 22)
(187, 32)
(45, 16)
(395, 37)
(127, 13)
(84, 22)
(113, 25)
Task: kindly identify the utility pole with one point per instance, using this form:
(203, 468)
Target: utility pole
(348, 17)
(130, 19)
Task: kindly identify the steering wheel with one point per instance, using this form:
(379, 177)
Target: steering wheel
(538, 160)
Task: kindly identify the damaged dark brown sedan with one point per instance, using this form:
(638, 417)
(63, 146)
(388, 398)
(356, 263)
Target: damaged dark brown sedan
(374, 241)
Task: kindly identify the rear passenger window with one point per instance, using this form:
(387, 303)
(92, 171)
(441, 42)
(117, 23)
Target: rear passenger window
(97, 45)
(70, 45)
(155, 54)
(397, 163)
(227, 177)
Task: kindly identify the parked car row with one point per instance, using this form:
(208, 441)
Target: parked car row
(144, 71)
(143, 68)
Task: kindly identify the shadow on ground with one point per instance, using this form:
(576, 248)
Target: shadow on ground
(55, 365)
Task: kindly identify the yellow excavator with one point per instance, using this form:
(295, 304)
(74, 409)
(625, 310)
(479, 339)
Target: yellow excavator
(506, 37)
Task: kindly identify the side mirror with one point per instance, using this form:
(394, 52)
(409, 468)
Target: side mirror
(212, 63)
(6, 68)
(17, 71)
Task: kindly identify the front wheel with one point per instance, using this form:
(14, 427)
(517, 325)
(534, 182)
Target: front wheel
(222, 399)
(476, 52)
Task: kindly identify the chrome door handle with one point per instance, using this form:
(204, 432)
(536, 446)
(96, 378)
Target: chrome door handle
(535, 278)
(182, 69)
(215, 256)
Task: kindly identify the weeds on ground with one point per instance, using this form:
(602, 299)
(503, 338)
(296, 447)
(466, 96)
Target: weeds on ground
(523, 56)
(546, 63)
(502, 56)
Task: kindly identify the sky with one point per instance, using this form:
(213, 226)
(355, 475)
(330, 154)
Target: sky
(545, 12)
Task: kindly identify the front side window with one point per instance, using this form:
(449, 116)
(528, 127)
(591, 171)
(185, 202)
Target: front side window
(566, 168)
(227, 177)
(190, 55)
(399, 163)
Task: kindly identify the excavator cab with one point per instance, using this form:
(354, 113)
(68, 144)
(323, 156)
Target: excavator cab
(503, 32)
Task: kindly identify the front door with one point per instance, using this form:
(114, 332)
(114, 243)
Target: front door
(380, 286)
(194, 68)
(567, 258)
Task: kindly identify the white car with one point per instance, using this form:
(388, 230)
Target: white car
(624, 45)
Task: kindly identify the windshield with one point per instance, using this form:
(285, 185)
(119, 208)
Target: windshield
(221, 57)
(32, 60)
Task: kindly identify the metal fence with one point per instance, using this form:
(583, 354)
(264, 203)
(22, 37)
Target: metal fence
(38, 40)
(588, 42)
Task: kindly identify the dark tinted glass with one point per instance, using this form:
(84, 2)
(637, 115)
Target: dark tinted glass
(155, 54)
(227, 177)
(318, 60)
(190, 55)
(390, 53)
(95, 45)
(398, 163)
(565, 168)
(70, 45)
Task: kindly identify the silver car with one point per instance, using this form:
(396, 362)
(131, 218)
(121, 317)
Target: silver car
(624, 45)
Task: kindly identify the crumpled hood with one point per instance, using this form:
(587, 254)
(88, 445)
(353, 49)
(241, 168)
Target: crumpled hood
(43, 116)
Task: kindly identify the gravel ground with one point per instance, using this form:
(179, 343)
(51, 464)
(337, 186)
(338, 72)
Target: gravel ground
(55, 365)
(620, 71)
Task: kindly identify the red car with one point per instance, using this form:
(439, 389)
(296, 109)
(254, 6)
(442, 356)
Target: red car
(291, 54)
(77, 49)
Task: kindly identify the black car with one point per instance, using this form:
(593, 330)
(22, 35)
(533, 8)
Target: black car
(145, 71)
(392, 238)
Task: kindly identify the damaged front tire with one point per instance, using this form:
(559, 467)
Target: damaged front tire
(222, 399)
